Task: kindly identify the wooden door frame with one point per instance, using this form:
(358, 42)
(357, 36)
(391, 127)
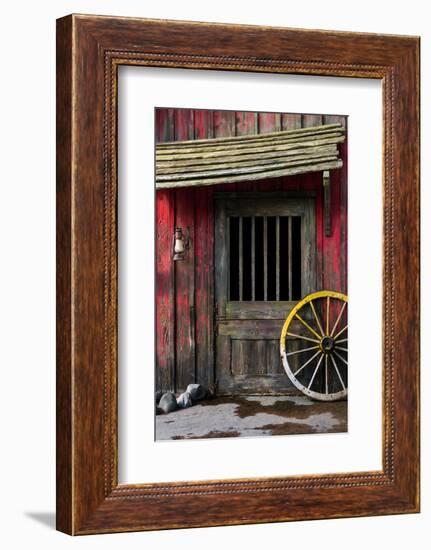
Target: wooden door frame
(221, 253)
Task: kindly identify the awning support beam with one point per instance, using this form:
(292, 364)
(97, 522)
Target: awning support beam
(327, 220)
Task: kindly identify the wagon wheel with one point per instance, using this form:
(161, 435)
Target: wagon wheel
(313, 339)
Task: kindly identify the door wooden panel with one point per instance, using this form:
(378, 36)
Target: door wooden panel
(249, 317)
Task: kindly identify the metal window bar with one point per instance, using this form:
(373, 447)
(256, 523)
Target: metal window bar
(241, 259)
(286, 268)
(228, 256)
(277, 258)
(253, 258)
(265, 258)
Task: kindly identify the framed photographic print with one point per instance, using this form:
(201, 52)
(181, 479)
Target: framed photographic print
(238, 274)
(259, 240)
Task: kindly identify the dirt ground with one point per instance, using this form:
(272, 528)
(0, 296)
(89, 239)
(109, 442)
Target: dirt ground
(251, 416)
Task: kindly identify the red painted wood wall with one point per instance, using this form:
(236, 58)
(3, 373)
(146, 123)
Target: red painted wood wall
(184, 290)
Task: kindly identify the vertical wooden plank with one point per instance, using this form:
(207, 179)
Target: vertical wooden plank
(241, 354)
(184, 124)
(308, 264)
(241, 260)
(269, 122)
(184, 295)
(203, 124)
(289, 253)
(253, 258)
(249, 347)
(311, 120)
(333, 119)
(165, 285)
(165, 282)
(340, 177)
(265, 258)
(259, 357)
(246, 123)
(221, 246)
(290, 121)
(273, 360)
(185, 270)
(223, 358)
(224, 123)
(333, 246)
(224, 126)
(204, 264)
(204, 242)
(344, 210)
(277, 258)
(165, 129)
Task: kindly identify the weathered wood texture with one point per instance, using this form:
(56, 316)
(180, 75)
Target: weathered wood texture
(249, 157)
(246, 343)
(90, 48)
(165, 277)
(188, 356)
(64, 449)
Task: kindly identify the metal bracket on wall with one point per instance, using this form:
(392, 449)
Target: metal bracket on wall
(327, 203)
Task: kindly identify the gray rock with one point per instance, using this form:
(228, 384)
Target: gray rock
(184, 400)
(196, 391)
(159, 394)
(168, 402)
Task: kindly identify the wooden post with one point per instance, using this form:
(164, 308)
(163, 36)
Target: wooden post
(327, 203)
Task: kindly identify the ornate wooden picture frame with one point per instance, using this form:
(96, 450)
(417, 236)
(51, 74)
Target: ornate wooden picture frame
(89, 51)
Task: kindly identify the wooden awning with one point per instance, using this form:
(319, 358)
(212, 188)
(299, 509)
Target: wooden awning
(244, 158)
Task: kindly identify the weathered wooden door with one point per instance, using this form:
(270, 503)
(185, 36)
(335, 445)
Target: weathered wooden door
(264, 263)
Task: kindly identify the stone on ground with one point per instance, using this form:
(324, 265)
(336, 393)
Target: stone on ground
(184, 400)
(168, 402)
(196, 391)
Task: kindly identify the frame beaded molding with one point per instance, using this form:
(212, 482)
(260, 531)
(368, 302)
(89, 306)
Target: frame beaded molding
(125, 57)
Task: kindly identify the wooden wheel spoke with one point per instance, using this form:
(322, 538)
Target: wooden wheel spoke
(339, 357)
(301, 350)
(306, 363)
(302, 337)
(315, 371)
(316, 317)
(306, 325)
(326, 374)
(341, 332)
(338, 372)
(338, 318)
(324, 350)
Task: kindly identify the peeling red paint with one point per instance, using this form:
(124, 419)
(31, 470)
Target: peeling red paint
(184, 317)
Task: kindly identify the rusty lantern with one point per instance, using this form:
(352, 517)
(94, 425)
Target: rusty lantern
(179, 245)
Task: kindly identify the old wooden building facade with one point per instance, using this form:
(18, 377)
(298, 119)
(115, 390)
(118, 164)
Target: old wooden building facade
(253, 247)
